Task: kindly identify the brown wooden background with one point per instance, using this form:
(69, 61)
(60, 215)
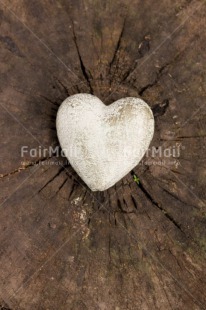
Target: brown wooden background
(131, 247)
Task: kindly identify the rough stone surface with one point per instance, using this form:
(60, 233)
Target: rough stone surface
(104, 143)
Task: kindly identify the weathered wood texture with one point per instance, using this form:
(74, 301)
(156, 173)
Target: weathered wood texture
(133, 246)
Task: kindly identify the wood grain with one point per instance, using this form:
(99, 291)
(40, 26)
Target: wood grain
(135, 246)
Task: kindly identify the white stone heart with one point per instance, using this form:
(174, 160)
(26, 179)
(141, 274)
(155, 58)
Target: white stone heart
(104, 143)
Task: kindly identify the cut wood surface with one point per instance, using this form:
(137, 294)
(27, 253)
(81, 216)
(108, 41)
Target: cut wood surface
(141, 244)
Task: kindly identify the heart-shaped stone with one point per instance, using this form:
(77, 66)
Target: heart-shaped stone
(103, 143)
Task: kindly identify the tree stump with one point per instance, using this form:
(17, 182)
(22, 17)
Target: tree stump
(141, 244)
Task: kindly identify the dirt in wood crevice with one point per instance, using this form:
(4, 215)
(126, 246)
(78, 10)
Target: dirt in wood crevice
(160, 108)
(159, 73)
(117, 48)
(4, 307)
(86, 74)
(64, 87)
(121, 209)
(27, 165)
(156, 204)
